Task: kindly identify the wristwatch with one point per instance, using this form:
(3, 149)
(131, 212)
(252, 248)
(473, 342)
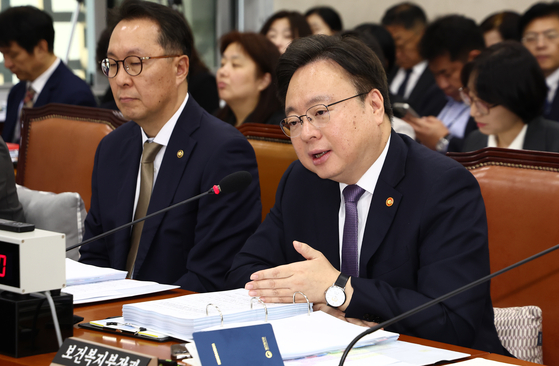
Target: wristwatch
(335, 295)
(442, 144)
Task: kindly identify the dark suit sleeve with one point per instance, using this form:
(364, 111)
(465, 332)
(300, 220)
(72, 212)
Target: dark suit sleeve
(265, 249)
(224, 222)
(96, 253)
(451, 251)
(10, 208)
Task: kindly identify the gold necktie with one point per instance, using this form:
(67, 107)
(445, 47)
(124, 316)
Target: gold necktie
(146, 186)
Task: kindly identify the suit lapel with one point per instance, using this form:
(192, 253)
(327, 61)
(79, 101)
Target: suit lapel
(385, 202)
(44, 96)
(535, 136)
(171, 174)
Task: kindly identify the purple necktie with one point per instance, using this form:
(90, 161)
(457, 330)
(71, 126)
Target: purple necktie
(350, 265)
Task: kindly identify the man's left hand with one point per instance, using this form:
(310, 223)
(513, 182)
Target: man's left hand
(311, 277)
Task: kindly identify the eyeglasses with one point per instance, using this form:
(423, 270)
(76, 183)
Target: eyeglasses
(532, 38)
(318, 115)
(133, 65)
(481, 107)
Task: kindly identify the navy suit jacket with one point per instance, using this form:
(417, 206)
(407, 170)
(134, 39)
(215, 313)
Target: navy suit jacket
(552, 111)
(426, 98)
(432, 240)
(63, 86)
(192, 245)
(541, 135)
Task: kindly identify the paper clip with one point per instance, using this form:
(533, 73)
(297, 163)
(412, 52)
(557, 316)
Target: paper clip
(215, 306)
(263, 304)
(306, 298)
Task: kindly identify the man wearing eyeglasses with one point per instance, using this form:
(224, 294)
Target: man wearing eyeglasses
(540, 35)
(170, 151)
(367, 223)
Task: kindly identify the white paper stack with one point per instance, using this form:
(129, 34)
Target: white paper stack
(181, 316)
(79, 273)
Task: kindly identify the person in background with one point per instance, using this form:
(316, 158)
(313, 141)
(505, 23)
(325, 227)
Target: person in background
(539, 27)
(448, 44)
(412, 82)
(324, 20)
(10, 208)
(27, 44)
(500, 27)
(508, 109)
(283, 27)
(385, 40)
(246, 79)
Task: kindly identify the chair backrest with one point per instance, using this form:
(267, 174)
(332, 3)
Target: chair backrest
(521, 194)
(58, 144)
(274, 154)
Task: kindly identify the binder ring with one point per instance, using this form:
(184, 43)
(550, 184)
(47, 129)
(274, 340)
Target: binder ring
(306, 298)
(263, 304)
(215, 306)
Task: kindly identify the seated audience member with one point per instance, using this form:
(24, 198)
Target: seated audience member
(384, 39)
(539, 27)
(27, 43)
(246, 79)
(448, 44)
(412, 81)
(508, 109)
(500, 27)
(324, 20)
(10, 208)
(413, 225)
(172, 150)
(285, 26)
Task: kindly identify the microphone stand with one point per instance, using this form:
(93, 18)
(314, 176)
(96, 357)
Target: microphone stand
(100, 236)
(439, 299)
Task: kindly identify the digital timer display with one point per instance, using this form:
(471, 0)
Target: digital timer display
(9, 264)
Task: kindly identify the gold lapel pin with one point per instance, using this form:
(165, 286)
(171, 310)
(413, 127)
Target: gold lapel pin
(180, 154)
(389, 201)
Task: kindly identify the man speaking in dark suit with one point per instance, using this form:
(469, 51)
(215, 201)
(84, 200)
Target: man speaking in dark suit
(170, 151)
(367, 223)
(27, 42)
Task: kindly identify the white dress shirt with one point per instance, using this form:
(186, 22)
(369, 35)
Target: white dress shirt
(162, 138)
(516, 144)
(417, 70)
(368, 182)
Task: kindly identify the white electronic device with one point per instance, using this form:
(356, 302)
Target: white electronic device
(32, 261)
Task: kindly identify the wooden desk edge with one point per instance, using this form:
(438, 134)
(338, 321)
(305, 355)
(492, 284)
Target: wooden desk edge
(106, 309)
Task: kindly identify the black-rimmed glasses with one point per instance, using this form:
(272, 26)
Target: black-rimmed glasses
(482, 107)
(318, 115)
(133, 65)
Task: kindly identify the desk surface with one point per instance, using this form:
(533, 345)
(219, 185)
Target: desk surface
(105, 309)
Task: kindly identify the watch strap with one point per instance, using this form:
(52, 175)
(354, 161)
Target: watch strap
(342, 280)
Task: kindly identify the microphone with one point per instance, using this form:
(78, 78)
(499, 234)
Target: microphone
(232, 183)
(439, 299)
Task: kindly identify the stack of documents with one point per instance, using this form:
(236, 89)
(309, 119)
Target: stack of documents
(181, 316)
(90, 283)
(79, 273)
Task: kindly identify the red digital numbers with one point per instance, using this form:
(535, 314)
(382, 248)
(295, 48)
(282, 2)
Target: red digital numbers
(2, 265)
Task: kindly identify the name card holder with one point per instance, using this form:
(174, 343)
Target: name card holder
(80, 352)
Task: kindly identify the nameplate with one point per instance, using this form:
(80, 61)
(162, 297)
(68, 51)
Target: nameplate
(85, 353)
(251, 345)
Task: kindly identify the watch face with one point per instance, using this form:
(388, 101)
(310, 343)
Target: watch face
(335, 296)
